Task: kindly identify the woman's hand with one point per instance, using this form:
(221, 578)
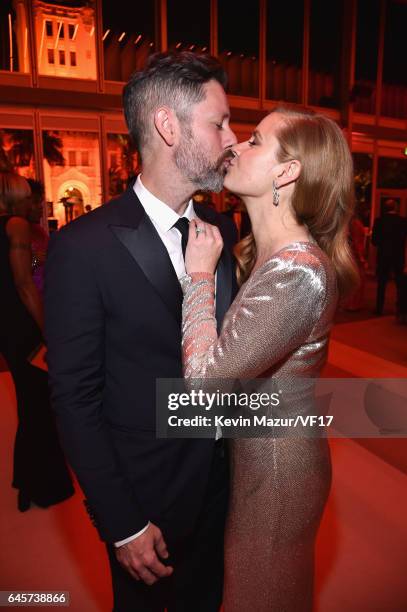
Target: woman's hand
(204, 247)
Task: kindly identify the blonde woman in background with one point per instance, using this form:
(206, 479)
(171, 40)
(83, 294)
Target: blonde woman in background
(295, 177)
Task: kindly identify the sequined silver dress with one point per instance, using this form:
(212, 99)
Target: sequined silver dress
(277, 326)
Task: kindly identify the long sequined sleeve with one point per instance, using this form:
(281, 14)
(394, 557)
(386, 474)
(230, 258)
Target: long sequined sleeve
(273, 315)
(198, 322)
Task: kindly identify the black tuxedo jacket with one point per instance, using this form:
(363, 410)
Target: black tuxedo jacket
(113, 326)
(389, 236)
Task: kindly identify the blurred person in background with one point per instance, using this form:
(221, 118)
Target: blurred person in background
(40, 472)
(39, 237)
(389, 237)
(201, 197)
(235, 210)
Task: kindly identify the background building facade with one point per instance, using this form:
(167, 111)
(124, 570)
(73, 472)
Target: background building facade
(63, 65)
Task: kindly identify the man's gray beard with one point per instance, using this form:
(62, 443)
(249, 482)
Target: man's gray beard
(195, 166)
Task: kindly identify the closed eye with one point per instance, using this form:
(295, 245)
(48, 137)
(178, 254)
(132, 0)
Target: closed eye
(251, 143)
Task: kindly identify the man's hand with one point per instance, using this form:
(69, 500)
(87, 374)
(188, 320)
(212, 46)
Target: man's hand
(139, 557)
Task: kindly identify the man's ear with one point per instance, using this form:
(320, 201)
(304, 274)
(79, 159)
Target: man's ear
(166, 124)
(290, 171)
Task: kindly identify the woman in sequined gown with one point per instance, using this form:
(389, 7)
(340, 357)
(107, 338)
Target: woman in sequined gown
(295, 177)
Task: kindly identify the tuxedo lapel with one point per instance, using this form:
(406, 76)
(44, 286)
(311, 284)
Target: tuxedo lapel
(139, 236)
(223, 286)
(224, 274)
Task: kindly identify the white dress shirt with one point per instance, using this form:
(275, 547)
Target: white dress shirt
(163, 218)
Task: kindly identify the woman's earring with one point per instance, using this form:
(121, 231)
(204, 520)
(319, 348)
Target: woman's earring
(276, 195)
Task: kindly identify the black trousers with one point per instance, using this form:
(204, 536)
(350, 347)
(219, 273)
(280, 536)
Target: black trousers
(40, 471)
(384, 271)
(197, 581)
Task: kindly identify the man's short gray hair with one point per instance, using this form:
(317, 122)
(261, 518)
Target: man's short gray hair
(174, 79)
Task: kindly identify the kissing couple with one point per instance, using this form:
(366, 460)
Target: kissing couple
(147, 287)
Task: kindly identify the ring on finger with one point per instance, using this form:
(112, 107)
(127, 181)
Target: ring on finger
(200, 230)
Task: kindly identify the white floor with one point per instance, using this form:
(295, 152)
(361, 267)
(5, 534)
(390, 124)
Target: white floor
(362, 544)
(361, 551)
(53, 549)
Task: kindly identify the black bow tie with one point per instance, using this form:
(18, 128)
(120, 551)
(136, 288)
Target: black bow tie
(182, 225)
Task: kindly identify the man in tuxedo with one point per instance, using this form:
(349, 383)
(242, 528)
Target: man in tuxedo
(113, 326)
(389, 236)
